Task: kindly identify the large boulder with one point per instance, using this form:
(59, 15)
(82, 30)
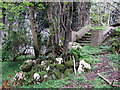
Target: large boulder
(57, 74)
(69, 63)
(61, 67)
(26, 66)
(68, 72)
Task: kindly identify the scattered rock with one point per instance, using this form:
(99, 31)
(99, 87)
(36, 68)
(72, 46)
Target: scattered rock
(59, 60)
(36, 77)
(57, 74)
(83, 65)
(42, 75)
(80, 69)
(26, 66)
(19, 78)
(61, 67)
(69, 63)
(46, 78)
(68, 72)
(48, 68)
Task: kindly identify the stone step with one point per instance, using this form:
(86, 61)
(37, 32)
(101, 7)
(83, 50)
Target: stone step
(84, 42)
(86, 36)
(82, 39)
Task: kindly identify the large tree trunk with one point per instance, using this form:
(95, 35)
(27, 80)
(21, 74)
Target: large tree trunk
(34, 31)
(68, 29)
(84, 13)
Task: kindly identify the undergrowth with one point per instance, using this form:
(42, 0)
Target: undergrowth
(9, 68)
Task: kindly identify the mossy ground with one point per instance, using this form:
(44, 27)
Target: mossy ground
(72, 81)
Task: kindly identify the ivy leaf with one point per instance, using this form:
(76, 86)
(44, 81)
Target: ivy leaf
(28, 4)
(65, 2)
(1, 24)
(41, 6)
(1, 16)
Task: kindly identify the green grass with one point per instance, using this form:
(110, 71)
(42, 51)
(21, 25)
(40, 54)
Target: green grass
(114, 61)
(91, 50)
(98, 28)
(100, 83)
(114, 58)
(48, 84)
(9, 68)
(23, 57)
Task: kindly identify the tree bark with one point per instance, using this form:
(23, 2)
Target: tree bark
(68, 27)
(84, 13)
(34, 31)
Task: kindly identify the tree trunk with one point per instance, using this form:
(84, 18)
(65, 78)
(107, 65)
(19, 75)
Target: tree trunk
(34, 31)
(68, 28)
(84, 13)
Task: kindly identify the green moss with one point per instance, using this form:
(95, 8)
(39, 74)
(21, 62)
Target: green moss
(42, 73)
(40, 66)
(61, 67)
(69, 63)
(38, 61)
(26, 66)
(68, 72)
(57, 74)
(98, 28)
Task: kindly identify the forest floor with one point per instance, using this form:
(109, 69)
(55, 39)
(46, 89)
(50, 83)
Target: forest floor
(108, 67)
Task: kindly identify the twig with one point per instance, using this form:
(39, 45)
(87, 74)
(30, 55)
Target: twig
(74, 64)
(115, 85)
(104, 79)
(110, 83)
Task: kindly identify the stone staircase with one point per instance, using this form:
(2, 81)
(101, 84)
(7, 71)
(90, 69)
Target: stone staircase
(85, 40)
(91, 37)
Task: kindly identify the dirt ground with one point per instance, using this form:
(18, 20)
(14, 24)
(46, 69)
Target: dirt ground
(105, 69)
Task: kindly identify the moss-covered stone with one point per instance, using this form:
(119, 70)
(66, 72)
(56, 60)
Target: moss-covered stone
(41, 67)
(52, 67)
(38, 61)
(57, 74)
(42, 73)
(68, 72)
(42, 77)
(26, 66)
(69, 63)
(61, 67)
(48, 62)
